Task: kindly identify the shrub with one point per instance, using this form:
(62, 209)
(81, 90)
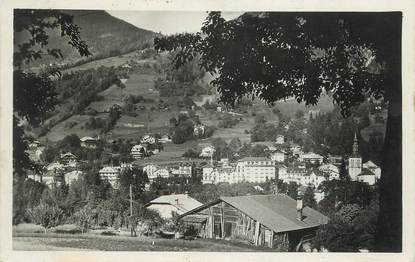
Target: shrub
(67, 229)
(108, 233)
(46, 215)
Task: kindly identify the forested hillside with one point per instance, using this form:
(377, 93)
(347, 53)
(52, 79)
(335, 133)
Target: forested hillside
(104, 34)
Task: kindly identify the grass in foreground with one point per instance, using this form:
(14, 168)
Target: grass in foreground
(52, 241)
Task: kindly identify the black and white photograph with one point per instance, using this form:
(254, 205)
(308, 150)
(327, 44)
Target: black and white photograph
(207, 131)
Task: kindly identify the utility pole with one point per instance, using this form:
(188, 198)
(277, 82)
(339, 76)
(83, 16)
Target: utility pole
(131, 201)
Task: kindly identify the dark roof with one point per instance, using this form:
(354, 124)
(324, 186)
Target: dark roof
(254, 159)
(366, 172)
(277, 212)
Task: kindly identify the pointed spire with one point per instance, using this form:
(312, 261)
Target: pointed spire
(355, 145)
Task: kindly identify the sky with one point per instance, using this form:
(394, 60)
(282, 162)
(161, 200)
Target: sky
(168, 22)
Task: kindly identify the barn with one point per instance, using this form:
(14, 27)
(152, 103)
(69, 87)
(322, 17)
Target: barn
(275, 221)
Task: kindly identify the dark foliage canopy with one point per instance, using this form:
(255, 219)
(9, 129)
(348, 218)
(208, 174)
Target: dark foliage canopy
(275, 56)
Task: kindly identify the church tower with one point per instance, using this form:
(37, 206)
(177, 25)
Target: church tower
(355, 161)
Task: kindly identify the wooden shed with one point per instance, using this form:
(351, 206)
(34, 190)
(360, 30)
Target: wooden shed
(276, 221)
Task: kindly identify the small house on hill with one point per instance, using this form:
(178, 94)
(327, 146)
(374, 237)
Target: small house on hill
(261, 220)
(180, 203)
(89, 142)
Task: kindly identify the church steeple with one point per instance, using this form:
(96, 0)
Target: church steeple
(355, 145)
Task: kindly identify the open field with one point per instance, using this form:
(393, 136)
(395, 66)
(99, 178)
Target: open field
(108, 62)
(51, 241)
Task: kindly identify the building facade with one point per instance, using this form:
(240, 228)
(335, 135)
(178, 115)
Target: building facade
(261, 220)
(255, 169)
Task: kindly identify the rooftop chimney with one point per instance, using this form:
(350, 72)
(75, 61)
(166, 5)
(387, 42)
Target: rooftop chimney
(299, 208)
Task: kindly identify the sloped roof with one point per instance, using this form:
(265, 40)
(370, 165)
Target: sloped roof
(87, 138)
(184, 202)
(254, 159)
(367, 172)
(311, 155)
(277, 212)
(108, 169)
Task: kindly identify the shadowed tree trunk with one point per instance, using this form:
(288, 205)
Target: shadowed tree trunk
(389, 229)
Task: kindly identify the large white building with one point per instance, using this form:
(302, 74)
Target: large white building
(303, 176)
(255, 169)
(224, 174)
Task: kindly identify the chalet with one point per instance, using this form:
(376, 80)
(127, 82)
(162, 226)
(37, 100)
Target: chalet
(312, 178)
(148, 139)
(312, 158)
(110, 174)
(199, 130)
(330, 170)
(54, 174)
(296, 149)
(262, 220)
(367, 176)
(70, 177)
(224, 174)
(280, 140)
(68, 159)
(278, 155)
(207, 151)
(373, 168)
(138, 151)
(162, 172)
(89, 142)
(150, 170)
(166, 205)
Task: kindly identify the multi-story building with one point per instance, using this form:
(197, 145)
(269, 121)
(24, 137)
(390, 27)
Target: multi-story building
(184, 169)
(223, 174)
(255, 169)
(162, 172)
(278, 156)
(69, 160)
(110, 174)
(303, 176)
(330, 170)
(293, 175)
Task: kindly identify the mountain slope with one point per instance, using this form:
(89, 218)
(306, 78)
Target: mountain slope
(105, 36)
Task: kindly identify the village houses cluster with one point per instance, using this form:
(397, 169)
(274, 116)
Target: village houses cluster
(304, 168)
(308, 169)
